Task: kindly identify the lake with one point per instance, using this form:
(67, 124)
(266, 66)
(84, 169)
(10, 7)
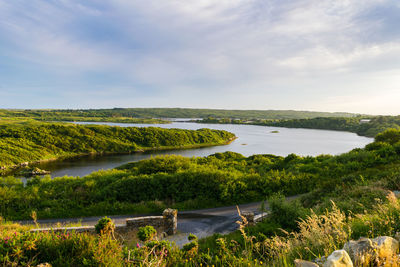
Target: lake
(251, 140)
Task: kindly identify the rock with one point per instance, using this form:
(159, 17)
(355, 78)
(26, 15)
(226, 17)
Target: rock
(339, 258)
(320, 261)
(301, 263)
(386, 246)
(27, 172)
(362, 251)
(249, 217)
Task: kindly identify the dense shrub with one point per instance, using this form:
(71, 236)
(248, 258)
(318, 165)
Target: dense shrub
(37, 141)
(105, 226)
(59, 249)
(146, 233)
(286, 214)
(220, 179)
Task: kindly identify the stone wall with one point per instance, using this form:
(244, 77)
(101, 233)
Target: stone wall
(165, 225)
(253, 219)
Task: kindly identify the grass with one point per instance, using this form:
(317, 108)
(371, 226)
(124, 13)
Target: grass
(316, 235)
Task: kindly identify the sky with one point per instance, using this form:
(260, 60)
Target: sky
(322, 55)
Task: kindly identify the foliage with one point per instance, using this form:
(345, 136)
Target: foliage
(286, 214)
(39, 141)
(220, 179)
(105, 226)
(132, 113)
(59, 249)
(146, 233)
(72, 115)
(373, 126)
(310, 227)
(376, 124)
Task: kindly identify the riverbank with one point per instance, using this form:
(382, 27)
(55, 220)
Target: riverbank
(22, 144)
(190, 183)
(368, 126)
(258, 140)
(11, 170)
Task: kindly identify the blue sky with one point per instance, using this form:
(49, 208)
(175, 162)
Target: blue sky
(341, 55)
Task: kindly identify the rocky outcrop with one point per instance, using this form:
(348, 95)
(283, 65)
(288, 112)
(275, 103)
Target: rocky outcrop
(386, 247)
(339, 258)
(361, 251)
(381, 251)
(372, 251)
(28, 172)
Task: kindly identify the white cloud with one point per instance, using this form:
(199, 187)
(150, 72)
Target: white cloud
(208, 45)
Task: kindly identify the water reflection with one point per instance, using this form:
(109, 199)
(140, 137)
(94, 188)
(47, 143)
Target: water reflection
(251, 140)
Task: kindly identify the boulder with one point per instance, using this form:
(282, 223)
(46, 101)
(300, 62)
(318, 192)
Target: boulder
(362, 251)
(339, 258)
(386, 246)
(320, 261)
(301, 263)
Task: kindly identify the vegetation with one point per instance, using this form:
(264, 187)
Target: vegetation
(371, 126)
(130, 114)
(220, 179)
(29, 142)
(71, 115)
(146, 233)
(342, 197)
(21, 248)
(316, 235)
(104, 226)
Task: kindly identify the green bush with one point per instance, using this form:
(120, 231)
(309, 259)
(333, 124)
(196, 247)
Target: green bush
(192, 237)
(286, 214)
(105, 226)
(59, 249)
(146, 233)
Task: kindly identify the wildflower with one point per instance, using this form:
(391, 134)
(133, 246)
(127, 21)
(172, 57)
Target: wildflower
(137, 245)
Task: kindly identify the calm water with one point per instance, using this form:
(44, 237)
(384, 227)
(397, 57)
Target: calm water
(251, 140)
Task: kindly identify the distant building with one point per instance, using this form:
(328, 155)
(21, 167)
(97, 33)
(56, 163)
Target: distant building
(365, 121)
